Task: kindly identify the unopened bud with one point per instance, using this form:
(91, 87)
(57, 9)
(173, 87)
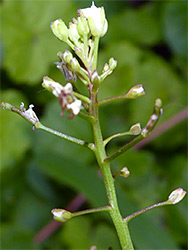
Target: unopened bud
(67, 56)
(60, 30)
(95, 78)
(96, 19)
(106, 68)
(135, 129)
(75, 66)
(73, 32)
(82, 26)
(61, 215)
(176, 196)
(124, 172)
(112, 63)
(135, 92)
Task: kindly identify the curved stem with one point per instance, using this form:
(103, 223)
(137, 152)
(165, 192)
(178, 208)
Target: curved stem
(121, 228)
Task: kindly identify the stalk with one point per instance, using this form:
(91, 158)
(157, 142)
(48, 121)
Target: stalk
(121, 227)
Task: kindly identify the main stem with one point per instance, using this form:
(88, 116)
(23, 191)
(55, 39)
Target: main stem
(121, 228)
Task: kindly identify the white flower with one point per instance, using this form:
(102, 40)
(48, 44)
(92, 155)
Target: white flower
(75, 106)
(29, 114)
(176, 196)
(54, 87)
(73, 32)
(96, 19)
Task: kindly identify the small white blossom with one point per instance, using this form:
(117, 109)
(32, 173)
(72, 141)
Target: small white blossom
(75, 106)
(96, 19)
(176, 196)
(66, 98)
(29, 114)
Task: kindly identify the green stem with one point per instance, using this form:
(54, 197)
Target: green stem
(95, 53)
(124, 148)
(64, 136)
(130, 217)
(93, 210)
(121, 228)
(114, 98)
(107, 140)
(82, 97)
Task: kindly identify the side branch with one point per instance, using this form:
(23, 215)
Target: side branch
(30, 116)
(145, 132)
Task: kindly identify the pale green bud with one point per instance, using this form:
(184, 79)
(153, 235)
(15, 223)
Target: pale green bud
(96, 18)
(75, 66)
(106, 68)
(176, 196)
(95, 78)
(67, 56)
(73, 32)
(60, 30)
(135, 92)
(135, 129)
(82, 26)
(61, 215)
(112, 63)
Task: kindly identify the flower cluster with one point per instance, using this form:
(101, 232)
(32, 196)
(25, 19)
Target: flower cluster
(82, 33)
(65, 94)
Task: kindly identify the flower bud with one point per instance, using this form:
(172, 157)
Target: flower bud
(75, 66)
(96, 18)
(112, 63)
(135, 129)
(61, 215)
(73, 32)
(176, 196)
(124, 172)
(135, 92)
(82, 26)
(106, 68)
(67, 56)
(60, 30)
(95, 78)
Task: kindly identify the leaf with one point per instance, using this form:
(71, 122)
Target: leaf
(16, 237)
(175, 26)
(15, 133)
(30, 47)
(137, 25)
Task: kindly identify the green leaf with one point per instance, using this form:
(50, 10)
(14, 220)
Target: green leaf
(137, 25)
(16, 237)
(15, 134)
(175, 26)
(30, 47)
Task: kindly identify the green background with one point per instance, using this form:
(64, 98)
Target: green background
(40, 172)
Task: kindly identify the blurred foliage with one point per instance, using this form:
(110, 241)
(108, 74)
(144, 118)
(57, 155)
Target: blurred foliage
(40, 172)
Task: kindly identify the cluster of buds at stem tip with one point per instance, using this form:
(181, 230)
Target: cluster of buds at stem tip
(92, 21)
(176, 196)
(61, 215)
(66, 98)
